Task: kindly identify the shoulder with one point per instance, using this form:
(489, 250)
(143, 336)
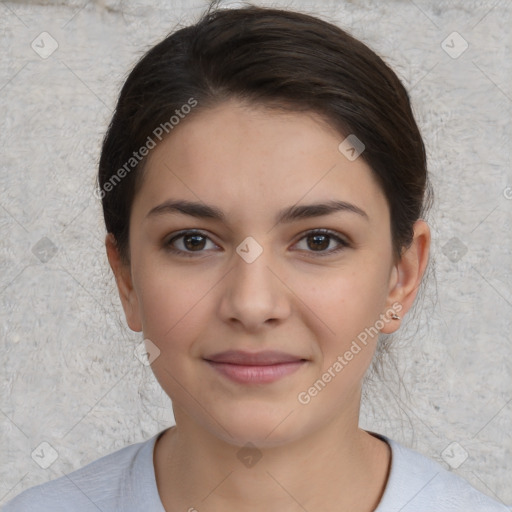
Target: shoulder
(419, 484)
(114, 482)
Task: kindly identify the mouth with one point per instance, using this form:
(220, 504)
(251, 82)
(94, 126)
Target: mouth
(255, 368)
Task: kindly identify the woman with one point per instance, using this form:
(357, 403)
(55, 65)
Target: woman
(263, 184)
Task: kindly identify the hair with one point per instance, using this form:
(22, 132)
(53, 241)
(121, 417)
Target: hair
(276, 59)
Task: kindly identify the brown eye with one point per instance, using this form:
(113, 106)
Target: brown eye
(319, 241)
(188, 242)
(193, 242)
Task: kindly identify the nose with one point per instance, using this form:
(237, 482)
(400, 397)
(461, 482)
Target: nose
(254, 295)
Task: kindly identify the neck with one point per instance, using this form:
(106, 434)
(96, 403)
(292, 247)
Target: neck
(338, 468)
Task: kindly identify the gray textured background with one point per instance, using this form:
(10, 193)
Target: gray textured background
(69, 374)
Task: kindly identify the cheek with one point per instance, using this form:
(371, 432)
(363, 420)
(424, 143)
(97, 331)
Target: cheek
(347, 297)
(343, 303)
(174, 312)
(173, 306)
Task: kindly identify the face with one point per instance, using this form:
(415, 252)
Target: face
(213, 289)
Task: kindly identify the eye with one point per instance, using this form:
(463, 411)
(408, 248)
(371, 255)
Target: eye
(191, 243)
(187, 243)
(320, 239)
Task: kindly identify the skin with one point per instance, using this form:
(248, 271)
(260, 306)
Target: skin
(252, 162)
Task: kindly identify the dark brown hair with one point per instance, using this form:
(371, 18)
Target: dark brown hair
(273, 58)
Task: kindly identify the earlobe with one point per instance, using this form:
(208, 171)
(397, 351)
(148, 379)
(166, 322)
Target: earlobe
(127, 294)
(407, 275)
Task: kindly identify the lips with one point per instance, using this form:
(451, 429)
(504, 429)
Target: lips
(264, 358)
(255, 368)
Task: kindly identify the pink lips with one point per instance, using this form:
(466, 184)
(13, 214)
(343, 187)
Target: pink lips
(254, 368)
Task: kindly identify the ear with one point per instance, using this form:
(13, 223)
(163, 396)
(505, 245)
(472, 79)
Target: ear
(406, 276)
(122, 273)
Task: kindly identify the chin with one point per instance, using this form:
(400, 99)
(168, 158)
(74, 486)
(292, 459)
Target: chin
(264, 425)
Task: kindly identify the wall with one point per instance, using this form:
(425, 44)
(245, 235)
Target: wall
(69, 374)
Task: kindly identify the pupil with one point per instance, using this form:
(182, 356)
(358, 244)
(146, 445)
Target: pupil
(196, 241)
(318, 238)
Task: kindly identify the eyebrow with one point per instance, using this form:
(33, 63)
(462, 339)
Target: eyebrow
(286, 215)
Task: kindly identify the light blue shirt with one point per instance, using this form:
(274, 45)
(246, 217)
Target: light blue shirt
(125, 481)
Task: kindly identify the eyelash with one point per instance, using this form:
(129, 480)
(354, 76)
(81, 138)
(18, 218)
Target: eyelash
(190, 254)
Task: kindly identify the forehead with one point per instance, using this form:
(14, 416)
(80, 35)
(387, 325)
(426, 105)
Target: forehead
(251, 160)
